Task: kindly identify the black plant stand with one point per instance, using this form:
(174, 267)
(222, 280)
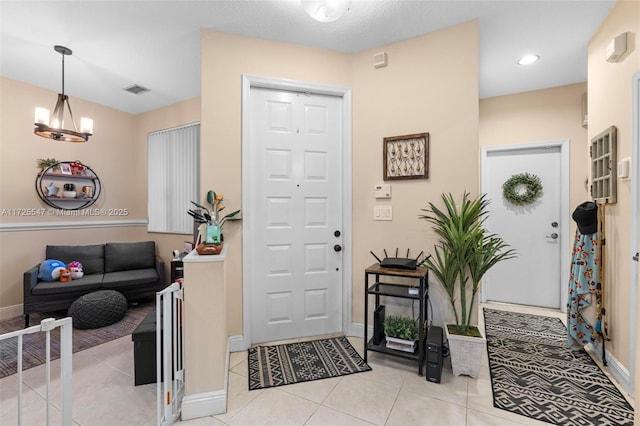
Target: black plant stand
(378, 288)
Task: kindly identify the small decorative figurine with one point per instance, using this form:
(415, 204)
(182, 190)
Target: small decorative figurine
(52, 190)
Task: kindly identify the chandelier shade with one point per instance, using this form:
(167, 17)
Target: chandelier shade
(52, 127)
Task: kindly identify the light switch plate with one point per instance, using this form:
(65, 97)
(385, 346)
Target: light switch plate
(382, 213)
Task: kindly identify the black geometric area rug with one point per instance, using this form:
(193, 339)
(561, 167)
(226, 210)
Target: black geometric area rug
(285, 364)
(534, 373)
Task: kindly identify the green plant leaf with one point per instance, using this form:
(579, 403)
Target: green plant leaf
(464, 250)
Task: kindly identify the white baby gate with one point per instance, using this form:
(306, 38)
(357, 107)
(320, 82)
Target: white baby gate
(169, 353)
(65, 364)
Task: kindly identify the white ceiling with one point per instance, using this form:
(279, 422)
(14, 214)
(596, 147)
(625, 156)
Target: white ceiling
(156, 43)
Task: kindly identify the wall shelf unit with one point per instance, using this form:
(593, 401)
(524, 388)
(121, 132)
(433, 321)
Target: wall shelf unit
(68, 185)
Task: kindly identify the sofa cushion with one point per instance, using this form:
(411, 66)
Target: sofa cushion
(129, 256)
(135, 277)
(91, 256)
(84, 284)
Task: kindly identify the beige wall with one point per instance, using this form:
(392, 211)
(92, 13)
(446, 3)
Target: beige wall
(430, 85)
(414, 93)
(538, 116)
(111, 153)
(117, 153)
(610, 104)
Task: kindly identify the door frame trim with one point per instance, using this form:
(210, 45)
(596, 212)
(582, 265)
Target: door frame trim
(635, 224)
(253, 81)
(565, 172)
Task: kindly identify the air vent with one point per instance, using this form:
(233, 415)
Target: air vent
(136, 89)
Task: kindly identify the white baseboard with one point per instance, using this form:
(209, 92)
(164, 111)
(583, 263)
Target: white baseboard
(204, 404)
(357, 330)
(614, 367)
(237, 343)
(10, 311)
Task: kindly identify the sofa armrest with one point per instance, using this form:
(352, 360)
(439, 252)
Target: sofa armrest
(161, 272)
(30, 279)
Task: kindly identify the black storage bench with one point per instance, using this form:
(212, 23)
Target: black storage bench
(144, 350)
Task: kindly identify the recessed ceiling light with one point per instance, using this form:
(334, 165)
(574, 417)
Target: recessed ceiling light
(528, 59)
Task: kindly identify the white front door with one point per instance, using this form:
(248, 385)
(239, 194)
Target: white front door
(295, 214)
(537, 231)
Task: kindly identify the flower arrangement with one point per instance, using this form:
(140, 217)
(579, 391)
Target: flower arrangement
(214, 200)
(212, 217)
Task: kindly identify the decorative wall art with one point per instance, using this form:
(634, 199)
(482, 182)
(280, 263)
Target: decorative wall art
(406, 157)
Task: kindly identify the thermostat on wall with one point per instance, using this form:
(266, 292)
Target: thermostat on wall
(383, 190)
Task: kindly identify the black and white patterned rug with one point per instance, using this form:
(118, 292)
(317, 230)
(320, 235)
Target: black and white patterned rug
(534, 373)
(289, 363)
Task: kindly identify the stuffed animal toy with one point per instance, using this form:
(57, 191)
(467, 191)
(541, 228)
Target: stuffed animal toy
(50, 270)
(76, 270)
(65, 275)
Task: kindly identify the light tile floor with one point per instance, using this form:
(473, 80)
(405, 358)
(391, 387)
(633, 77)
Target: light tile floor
(391, 394)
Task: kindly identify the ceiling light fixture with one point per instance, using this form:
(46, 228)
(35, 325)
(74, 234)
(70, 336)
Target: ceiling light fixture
(528, 59)
(326, 10)
(57, 131)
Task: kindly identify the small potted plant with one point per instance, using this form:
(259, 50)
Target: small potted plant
(211, 218)
(464, 251)
(401, 333)
(45, 163)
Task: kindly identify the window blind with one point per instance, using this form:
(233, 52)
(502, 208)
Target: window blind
(173, 173)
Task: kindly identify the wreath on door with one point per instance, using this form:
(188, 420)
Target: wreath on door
(522, 189)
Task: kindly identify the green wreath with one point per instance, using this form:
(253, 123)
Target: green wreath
(532, 186)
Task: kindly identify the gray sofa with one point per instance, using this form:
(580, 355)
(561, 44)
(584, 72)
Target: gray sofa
(132, 269)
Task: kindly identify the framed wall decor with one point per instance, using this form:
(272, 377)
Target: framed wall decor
(406, 157)
(65, 168)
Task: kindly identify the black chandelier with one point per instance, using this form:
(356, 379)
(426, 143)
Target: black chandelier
(52, 127)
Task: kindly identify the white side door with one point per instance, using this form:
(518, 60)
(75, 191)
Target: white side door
(296, 214)
(537, 231)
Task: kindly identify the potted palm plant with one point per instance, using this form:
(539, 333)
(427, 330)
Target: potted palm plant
(464, 251)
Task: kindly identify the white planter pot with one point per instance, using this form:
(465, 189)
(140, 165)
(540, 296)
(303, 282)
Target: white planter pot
(466, 353)
(401, 344)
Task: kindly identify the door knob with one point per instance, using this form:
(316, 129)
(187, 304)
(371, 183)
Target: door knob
(337, 247)
(553, 236)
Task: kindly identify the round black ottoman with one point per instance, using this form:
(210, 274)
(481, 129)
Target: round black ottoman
(98, 309)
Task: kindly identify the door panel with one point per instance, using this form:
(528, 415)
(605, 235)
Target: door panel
(295, 157)
(535, 231)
